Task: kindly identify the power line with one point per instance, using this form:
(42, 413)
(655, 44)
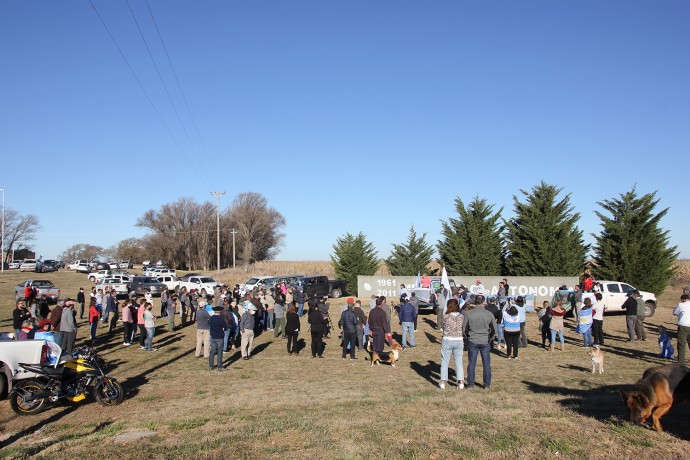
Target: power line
(141, 86)
(167, 92)
(179, 86)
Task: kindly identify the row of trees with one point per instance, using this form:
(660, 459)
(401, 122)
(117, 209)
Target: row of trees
(542, 239)
(183, 234)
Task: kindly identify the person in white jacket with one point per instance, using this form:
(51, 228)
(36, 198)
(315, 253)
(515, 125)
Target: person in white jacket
(682, 311)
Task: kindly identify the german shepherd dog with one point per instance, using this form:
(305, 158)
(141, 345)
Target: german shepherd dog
(656, 392)
(385, 356)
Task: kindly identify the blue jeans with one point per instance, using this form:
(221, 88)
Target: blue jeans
(553, 336)
(225, 339)
(94, 327)
(407, 327)
(150, 331)
(456, 348)
(499, 332)
(300, 309)
(473, 350)
(269, 320)
(216, 349)
(587, 336)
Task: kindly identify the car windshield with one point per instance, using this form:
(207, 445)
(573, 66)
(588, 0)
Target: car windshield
(40, 283)
(252, 281)
(149, 279)
(207, 280)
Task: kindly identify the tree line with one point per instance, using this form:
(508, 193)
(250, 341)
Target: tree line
(541, 239)
(183, 234)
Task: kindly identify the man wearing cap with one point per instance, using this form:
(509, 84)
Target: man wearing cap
(360, 324)
(217, 328)
(68, 327)
(407, 315)
(203, 334)
(479, 288)
(349, 321)
(639, 319)
(630, 307)
(247, 324)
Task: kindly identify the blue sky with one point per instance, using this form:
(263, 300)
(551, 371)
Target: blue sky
(348, 116)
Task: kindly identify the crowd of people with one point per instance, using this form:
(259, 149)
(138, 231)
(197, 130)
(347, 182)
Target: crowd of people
(227, 320)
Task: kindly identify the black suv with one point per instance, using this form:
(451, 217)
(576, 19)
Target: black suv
(322, 286)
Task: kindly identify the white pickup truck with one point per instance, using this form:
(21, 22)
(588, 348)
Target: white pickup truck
(13, 352)
(614, 294)
(203, 284)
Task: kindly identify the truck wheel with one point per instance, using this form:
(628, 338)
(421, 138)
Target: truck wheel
(649, 308)
(3, 384)
(335, 293)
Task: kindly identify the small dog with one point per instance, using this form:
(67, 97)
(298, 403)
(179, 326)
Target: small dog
(597, 359)
(390, 357)
(659, 388)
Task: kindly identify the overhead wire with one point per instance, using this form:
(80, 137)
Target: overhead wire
(141, 86)
(167, 92)
(179, 86)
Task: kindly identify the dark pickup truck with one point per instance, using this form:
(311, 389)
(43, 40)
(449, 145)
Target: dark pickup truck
(322, 286)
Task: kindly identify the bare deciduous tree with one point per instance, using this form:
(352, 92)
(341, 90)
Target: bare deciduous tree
(19, 230)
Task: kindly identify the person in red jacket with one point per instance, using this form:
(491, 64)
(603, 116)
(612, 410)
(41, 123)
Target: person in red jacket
(94, 316)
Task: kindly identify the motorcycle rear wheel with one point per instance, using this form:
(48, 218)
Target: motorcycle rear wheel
(109, 393)
(22, 407)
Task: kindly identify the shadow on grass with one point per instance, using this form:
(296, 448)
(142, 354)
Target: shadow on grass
(430, 371)
(433, 324)
(603, 403)
(33, 428)
(432, 338)
(132, 384)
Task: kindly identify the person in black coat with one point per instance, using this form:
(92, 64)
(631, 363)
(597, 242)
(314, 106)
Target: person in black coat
(348, 321)
(318, 325)
(292, 325)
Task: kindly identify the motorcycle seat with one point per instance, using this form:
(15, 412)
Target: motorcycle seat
(43, 369)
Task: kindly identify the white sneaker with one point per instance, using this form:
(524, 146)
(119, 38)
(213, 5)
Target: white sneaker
(442, 385)
(461, 386)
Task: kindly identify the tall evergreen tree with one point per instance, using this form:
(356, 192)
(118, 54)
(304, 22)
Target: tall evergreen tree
(411, 257)
(472, 243)
(543, 238)
(352, 256)
(632, 247)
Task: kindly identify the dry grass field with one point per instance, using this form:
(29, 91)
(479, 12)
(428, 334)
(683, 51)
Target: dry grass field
(545, 405)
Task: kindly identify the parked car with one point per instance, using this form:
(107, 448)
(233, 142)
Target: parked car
(143, 284)
(126, 264)
(30, 265)
(168, 280)
(322, 286)
(202, 283)
(14, 265)
(251, 283)
(49, 266)
(270, 283)
(82, 267)
(615, 293)
(45, 290)
(146, 263)
(117, 285)
(95, 276)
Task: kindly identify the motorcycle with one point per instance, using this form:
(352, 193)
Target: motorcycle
(70, 380)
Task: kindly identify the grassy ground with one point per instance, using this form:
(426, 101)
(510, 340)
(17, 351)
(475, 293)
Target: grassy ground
(545, 405)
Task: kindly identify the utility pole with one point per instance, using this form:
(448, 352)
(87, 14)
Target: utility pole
(233, 247)
(218, 195)
(2, 251)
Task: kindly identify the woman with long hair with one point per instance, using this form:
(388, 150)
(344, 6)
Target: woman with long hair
(452, 343)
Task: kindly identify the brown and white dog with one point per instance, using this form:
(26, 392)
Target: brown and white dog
(391, 357)
(597, 359)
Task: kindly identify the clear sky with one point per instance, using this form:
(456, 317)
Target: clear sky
(348, 116)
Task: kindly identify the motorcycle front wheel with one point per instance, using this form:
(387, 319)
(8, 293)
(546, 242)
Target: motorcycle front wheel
(109, 393)
(19, 395)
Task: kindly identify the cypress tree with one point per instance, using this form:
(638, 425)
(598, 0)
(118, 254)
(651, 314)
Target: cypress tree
(543, 238)
(410, 258)
(631, 246)
(472, 243)
(352, 256)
